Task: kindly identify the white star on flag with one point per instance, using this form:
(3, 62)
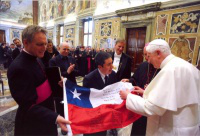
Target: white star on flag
(76, 94)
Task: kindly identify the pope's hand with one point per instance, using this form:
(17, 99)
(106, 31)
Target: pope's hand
(139, 90)
(123, 94)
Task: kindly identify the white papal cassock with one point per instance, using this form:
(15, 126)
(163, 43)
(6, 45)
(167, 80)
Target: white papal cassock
(171, 101)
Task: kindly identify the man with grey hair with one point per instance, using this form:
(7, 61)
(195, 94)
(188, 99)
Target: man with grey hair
(67, 64)
(171, 100)
(68, 68)
(30, 88)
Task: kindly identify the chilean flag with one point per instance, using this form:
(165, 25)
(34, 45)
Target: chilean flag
(91, 110)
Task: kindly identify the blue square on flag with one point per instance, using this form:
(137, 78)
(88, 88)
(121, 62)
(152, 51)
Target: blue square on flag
(77, 95)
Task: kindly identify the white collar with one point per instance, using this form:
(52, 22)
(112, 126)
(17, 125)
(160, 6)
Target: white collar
(102, 75)
(115, 55)
(166, 60)
(27, 52)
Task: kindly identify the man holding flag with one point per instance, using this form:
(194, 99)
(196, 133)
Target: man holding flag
(102, 76)
(93, 110)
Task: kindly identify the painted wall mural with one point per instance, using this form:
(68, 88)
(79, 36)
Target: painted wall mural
(44, 12)
(16, 33)
(185, 22)
(50, 34)
(183, 47)
(106, 32)
(161, 24)
(71, 6)
(106, 29)
(17, 11)
(198, 59)
(69, 32)
(52, 9)
(106, 43)
(60, 8)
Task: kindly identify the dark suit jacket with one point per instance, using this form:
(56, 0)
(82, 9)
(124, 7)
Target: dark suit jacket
(24, 76)
(124, 70)
(143, 75)
(15, 53)
(64, 64)
(94, 80)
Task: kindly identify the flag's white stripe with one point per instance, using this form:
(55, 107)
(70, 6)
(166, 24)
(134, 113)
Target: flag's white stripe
(69, 133)
(109, 94)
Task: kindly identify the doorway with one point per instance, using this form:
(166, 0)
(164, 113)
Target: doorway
(135, 44)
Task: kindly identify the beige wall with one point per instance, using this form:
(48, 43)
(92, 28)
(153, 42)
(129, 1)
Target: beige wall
(179, 31)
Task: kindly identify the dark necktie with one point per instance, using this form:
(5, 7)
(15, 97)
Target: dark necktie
(106, 80)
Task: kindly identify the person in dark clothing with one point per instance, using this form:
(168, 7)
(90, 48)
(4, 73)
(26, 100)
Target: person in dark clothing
(68, 68)
(50, 52)
(142, 77)
(82, 61)
(18, 48)
(9, 54)
(93, 65)
(3, 57)
(67, 64)
(121, 61)
(30, 88)
(100, 77)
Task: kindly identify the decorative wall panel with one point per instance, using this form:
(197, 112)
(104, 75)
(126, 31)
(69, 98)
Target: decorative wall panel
(161, 24)
(185, 22)
(60, 8)
(106, 32)
(50, 34)
(183, 47)
(16, 33)
(182, 31)
(53, 9)
(106, 29)
(198, 59)
(69, 34)
(70, 6)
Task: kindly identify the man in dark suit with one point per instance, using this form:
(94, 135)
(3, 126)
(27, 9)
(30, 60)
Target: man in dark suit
(101, 77)
(30, 88)
(67, 64)
(121, 61)
(96, 79)
(18, 48)
(68, 68)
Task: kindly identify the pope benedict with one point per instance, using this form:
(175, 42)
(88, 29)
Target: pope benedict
(171, 101)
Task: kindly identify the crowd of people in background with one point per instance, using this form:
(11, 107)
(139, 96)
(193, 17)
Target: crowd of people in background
(84, 56)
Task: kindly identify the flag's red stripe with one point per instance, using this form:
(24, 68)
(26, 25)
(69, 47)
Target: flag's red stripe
(104, 117)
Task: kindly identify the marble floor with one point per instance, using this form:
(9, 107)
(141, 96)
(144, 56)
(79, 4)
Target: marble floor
(6, 100)
(7, 108)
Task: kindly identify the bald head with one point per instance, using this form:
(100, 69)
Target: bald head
(64, 49)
